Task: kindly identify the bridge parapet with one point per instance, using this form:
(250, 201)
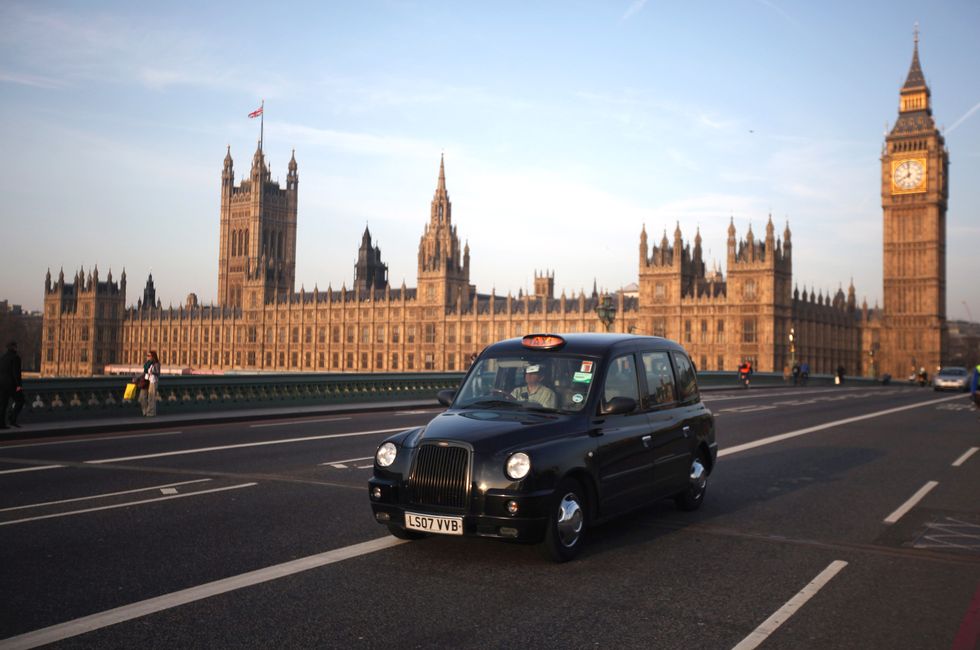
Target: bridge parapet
(49, 399)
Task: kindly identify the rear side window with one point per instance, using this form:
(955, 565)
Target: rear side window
(687, 383)
(621, 379)
(660, 378)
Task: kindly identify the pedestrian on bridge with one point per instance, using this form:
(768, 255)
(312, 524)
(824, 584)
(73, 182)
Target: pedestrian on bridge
(10, 385)
(148, 388)
(804, 372)
(975, 386)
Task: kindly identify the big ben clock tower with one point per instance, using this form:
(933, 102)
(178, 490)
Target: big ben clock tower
(914, 193)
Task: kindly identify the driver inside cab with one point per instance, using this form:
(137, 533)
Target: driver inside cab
(535, 391)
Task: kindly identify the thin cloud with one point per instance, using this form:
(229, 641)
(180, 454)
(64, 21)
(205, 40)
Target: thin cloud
(635, 7)
(34, 81)
(779, 10)
(965, 117)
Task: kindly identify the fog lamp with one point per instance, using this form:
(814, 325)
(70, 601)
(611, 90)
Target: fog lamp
(507, 531)
(382, 516)
(512, 507)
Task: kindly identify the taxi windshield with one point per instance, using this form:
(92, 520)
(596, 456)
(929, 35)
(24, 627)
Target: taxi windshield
(533, 381)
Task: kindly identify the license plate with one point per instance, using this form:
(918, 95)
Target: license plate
(434, 524)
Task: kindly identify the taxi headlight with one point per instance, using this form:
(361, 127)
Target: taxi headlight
(386, 454)
(518, 465)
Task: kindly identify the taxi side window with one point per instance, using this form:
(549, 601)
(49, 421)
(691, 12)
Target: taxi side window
(687, 382)
(621, 379)
(660, 379)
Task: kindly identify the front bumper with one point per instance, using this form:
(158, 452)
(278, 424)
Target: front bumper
(486, 515)
(940, 384)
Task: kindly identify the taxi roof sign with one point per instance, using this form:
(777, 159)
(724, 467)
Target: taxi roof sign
(543, 341)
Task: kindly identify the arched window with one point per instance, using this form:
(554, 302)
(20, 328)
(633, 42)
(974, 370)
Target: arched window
(279, 246)
(234, 242)
(245, 247)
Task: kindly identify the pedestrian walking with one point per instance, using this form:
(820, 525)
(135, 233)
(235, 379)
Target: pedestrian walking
(10, 385)
(148, 385)
(796, 373)
(839, 376)
(975, 386)
(804, 372)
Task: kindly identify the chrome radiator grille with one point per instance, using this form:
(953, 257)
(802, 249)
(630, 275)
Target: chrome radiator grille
(439, 476)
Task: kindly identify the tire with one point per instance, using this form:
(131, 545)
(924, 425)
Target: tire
(693, 496)
(403, 533)
(565, 535)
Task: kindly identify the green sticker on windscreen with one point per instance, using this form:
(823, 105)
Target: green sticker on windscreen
(583, 377)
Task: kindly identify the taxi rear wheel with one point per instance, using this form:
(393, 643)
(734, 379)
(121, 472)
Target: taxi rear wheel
(403, 533)
(565, 534)
(692, 497)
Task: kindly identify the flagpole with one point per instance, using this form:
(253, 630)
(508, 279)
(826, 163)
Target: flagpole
(262, 125)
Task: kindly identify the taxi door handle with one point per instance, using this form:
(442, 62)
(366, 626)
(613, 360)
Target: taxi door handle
(687, 431)
(646, 440)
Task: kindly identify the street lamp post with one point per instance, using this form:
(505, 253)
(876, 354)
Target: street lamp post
(606, 311)
(792, 347)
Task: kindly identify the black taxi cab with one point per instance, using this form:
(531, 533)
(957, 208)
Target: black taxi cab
(548, 435)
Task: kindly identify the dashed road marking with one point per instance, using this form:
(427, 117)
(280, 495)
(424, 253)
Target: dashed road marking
(105, 495)
(911, 503)
(783, 614)
(962, 459)
(126, 505)
(342, 464)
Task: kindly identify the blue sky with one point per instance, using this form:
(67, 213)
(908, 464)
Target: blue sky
(566, 127)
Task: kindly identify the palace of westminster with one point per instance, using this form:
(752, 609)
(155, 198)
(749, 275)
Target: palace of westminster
(262, 324)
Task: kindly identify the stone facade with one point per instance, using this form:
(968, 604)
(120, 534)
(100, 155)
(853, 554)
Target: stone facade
(751, 311)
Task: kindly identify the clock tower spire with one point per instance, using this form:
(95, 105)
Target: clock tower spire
(914, 195)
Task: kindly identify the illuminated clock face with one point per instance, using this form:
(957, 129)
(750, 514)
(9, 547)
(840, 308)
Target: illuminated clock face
(908, 174)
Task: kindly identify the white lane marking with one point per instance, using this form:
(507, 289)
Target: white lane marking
(106, 494)
(756, 394)
(422, 412)
(783, 614)
(30, 469)
(77, 440)
(364, 466)
(125, 505)
(836, 423)
(168, 601)
(746, 409)
(168, 491)
(962, 459)
(908, 505)
(242, 445)
(346, 460)
(295, 422)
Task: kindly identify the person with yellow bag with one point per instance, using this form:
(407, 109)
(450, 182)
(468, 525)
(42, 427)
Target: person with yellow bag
(148, 384)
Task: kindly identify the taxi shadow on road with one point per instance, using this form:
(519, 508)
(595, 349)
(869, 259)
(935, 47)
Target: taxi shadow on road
(740, 485)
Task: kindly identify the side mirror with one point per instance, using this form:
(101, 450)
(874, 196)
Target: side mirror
(445, 397)
(619, 406)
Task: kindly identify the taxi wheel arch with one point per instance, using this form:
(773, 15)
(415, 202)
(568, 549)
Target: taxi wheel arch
(568, 516)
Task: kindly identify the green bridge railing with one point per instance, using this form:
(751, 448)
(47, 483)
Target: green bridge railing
(93, 397)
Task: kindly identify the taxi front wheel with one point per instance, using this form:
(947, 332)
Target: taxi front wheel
(566, 522)
(692, 497)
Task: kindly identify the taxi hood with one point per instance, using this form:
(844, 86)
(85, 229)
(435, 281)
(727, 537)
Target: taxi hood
(490, 431)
